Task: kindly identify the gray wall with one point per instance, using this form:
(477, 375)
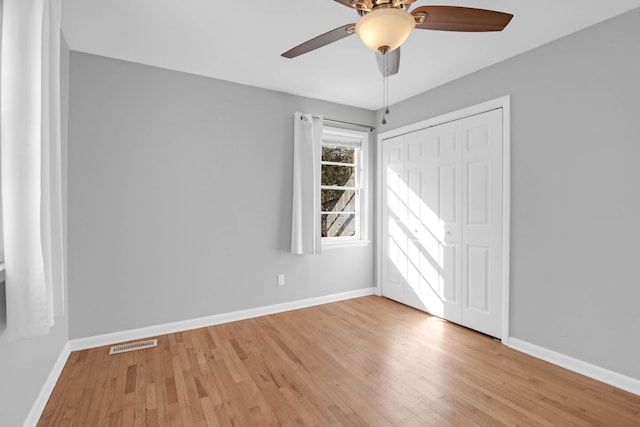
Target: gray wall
(25, 365)
(575, 187)
(180, 199)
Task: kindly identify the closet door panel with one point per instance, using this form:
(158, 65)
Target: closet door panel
(394, 240)
(482, 223)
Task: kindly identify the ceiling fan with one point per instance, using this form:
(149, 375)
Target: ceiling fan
(385, 24)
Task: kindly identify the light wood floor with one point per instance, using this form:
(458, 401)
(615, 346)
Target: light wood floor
(367, 361)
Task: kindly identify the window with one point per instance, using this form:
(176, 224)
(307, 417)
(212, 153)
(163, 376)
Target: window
(342, 188)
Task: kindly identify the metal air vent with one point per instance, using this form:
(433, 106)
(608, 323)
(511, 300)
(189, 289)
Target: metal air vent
(123, 348)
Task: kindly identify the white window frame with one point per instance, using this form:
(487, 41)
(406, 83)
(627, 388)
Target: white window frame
(332, 136)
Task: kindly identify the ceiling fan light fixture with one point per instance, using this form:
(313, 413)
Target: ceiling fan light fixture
(385, 28)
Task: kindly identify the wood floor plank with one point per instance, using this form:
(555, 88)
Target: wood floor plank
(361, 362)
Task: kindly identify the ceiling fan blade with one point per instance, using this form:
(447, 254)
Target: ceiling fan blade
(321, 40)
(393, 63)
(453, 18)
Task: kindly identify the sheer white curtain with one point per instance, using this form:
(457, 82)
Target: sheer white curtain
(307, 143)
(31, 166)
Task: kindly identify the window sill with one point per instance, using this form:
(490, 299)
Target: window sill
(345, 244)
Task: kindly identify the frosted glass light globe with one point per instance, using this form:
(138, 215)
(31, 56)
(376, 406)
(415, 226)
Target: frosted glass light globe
(385, 28)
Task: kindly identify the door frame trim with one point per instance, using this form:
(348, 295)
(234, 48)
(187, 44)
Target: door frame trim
(502, 102)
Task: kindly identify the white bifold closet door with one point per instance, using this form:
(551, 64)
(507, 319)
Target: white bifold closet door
(442, 220)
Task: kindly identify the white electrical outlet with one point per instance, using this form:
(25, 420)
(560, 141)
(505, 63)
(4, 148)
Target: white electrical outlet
(280, 279)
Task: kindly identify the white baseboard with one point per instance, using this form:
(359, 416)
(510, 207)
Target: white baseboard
(47, 388)
(606, 376)
(184, 325)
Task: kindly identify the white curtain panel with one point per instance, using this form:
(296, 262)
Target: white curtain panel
(305, 225)
(31, 167)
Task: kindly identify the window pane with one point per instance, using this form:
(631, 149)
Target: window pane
(338, 225)
(338, 154)
(338, 200)
(339, 175)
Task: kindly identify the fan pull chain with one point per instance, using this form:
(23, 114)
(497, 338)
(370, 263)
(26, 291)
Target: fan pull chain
(385, 85)
(386, 94)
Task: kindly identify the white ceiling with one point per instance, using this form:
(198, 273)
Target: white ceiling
(242, 41)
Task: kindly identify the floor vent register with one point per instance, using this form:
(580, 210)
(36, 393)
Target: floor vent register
(123, 348)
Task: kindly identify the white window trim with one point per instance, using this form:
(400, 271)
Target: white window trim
(361, 140)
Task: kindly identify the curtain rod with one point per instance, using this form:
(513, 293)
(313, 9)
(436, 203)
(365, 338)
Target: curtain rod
(371, 128)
